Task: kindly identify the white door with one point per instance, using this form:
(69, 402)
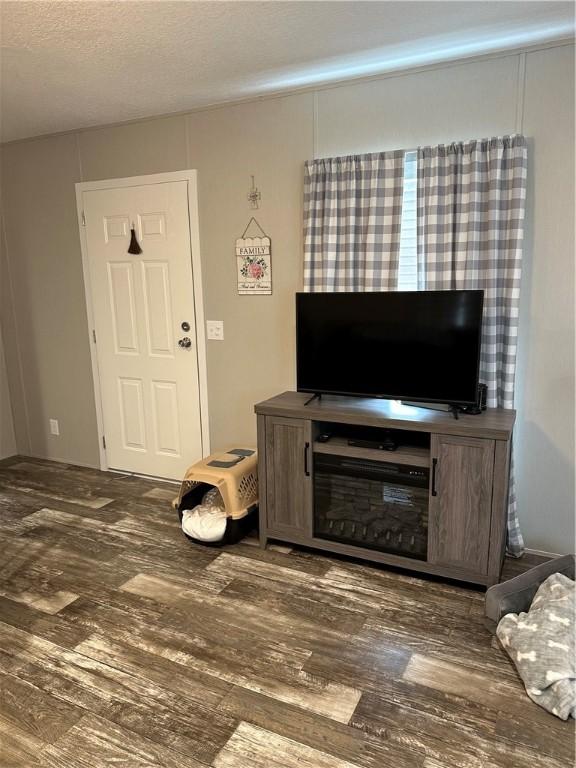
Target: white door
(145, 329)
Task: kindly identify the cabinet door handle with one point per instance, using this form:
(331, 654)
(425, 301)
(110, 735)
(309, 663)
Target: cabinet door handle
(306, 452)
(434, 465)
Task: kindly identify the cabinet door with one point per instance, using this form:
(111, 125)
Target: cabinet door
(460, 502)
(289, 476)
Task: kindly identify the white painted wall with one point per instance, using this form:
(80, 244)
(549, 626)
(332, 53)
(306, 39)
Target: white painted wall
(271, 138)
(545, 393)
(7, 434)
(7, 438)
(435, 106)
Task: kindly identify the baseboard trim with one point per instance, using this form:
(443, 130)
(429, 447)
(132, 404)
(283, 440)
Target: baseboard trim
(23, 457)
(56, 460)
(541, 553)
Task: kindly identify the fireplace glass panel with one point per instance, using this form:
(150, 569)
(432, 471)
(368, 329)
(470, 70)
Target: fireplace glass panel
(372, 504)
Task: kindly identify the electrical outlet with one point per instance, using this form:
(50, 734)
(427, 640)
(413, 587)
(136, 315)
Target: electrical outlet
(215, 330)
(54, 427)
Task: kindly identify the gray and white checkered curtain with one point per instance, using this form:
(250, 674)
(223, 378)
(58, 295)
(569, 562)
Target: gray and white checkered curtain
(471, 200)
(352, 212)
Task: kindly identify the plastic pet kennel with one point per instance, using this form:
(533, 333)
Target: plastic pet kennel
(235, 475)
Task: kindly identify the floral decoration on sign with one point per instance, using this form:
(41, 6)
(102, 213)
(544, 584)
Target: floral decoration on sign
(254, 267)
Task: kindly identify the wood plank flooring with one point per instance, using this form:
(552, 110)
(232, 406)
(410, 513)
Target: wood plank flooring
(121, 644)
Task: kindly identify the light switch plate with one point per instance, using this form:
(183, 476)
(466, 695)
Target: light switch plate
(215, 330)
(54, 427)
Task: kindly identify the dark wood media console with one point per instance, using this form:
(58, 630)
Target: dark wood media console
(436, 504)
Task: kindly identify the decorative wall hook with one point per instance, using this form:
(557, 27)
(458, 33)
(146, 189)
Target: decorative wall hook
(254, 195)
(134, 246)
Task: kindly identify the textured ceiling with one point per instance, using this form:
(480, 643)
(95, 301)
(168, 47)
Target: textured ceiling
(68, 65)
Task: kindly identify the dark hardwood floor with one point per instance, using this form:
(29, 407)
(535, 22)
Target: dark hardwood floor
(121, 644)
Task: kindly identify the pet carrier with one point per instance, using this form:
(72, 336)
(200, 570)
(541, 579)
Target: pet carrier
(218, 499)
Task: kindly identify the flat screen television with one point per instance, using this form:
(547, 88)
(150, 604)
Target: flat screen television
(415, 345)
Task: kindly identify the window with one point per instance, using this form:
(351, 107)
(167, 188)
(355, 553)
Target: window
(408, 267)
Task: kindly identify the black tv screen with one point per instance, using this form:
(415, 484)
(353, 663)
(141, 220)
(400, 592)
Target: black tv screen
(413, 345)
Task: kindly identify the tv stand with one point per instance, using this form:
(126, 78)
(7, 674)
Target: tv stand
(315, 396)
(436, 505)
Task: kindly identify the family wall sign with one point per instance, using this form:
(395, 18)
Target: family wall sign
(253, 261)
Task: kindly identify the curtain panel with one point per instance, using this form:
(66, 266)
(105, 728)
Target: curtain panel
(352, 215)
(470, 223)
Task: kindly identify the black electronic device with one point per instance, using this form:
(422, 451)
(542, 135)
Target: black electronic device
(480, 405)
(482, 396)
(386, 444)
(414, 345)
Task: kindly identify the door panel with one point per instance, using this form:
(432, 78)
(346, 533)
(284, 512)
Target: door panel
(121, 298)
(461, 502)
(289, 476)
(149, 384)
(156, 287)
(131, 402)
(165, 417)
(116, 226)
(152, 225)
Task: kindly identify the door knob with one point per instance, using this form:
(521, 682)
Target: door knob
(185, 343)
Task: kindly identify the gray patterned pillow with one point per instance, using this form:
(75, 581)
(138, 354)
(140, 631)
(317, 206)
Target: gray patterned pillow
(542, 645)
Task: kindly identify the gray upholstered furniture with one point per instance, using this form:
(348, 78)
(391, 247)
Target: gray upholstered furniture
(516, 595)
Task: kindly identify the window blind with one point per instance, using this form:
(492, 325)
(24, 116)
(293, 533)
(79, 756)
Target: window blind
(408, 266)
